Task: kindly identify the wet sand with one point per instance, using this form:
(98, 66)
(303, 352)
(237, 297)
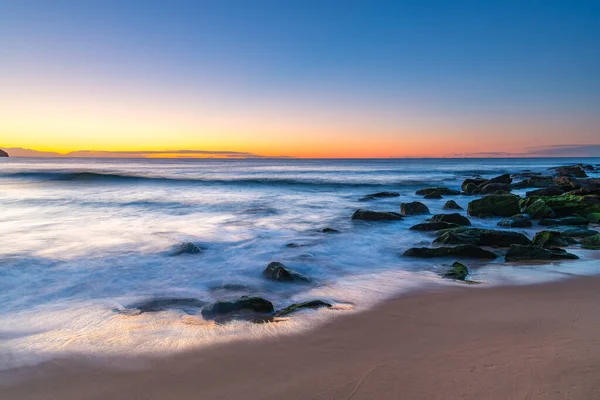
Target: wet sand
(527, 342)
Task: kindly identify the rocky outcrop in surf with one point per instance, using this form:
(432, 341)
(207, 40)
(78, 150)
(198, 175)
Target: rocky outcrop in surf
(276, 271)
(3, 153)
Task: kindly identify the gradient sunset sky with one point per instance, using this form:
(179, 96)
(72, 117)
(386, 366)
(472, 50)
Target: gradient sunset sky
(300, 78)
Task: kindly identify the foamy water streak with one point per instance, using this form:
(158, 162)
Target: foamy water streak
(82, 238)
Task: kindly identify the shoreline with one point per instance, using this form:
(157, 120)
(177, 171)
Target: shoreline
(532, 341)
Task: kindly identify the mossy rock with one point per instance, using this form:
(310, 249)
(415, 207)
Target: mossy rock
(313, 304)
(481, 237)
(501, 205)
(457, 271)
(551, 239)
(465, 251)
(591, 243)
(594, 218)
(538, 209)
(566, 205)
(519, 252)
(469, 185)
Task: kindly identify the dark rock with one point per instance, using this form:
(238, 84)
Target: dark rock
(519, 252)
(490, 188)
(442, 191)
(431, 196)
(451, 205)
(551, 239)
(433, 226)
(186, 248)
(329, 230)
(3, 153)
(469, 185)
(526, 174)
(481, 237)
(380, 195)
(188, 305)
(454, 218)
(549, 191)
(299, 306)
(534, 182)
(276, 271)
(591, 243)
(463, 250)
(413, 208)
(570, 170)
(565, 183)
(575, 231)
(501, 205)
(245, 304)
(457, 271)
(368, 215)
(564, 221)
(516, 221)
(504, 179)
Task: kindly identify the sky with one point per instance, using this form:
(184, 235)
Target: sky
(300, 78)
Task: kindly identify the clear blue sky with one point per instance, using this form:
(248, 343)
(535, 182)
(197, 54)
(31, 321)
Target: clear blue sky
(489, 71)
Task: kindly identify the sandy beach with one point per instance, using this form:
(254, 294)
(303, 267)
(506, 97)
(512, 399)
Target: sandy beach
(524, 342)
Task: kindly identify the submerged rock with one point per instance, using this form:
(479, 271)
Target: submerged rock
(441, 190)
(516, 221)
(454, 218)
(299, 306)
(413, 208)
(457, 271)
(248, 305)
(451, 205)
(185, 304)
(594, 217)
(329, 230)
(464, 250)
(368, 215)
(591, 243)
(380, 195)
(186, 248)
(551, 239)
(432, 196)
(501, 205)
(519, 252)
(481, 237)
(433, 226)
(564, 221)
(276, 271)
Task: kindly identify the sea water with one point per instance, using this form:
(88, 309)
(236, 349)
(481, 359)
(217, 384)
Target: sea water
(84, 238)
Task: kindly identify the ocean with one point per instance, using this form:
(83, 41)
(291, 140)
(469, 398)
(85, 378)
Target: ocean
(83, 239)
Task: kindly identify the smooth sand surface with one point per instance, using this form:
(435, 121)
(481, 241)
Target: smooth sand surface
(527, 342)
